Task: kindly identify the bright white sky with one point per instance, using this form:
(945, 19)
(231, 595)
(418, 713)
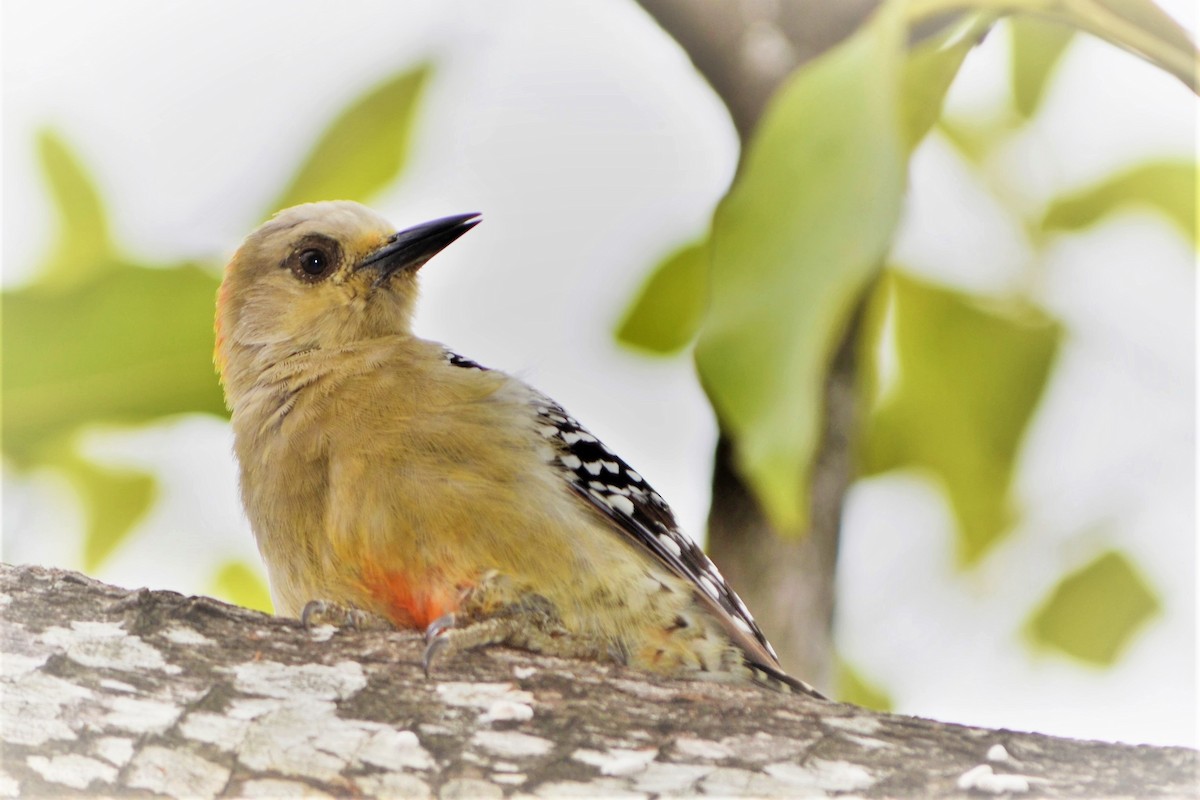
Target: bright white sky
(591, 148)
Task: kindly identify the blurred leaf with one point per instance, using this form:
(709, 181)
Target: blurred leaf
(1150, 18)
(668, 311)
(127, 347)
(1093, 613)
(931, 68)
(1140, 27)
(670, 308)
(82, 246)
(873, 330)
(968, 378)
(1168, 187)
(1037, 49)
(974, 139)
(852, 687)
(794, 244)
(365, 148)
(239, 583)
(115, 500)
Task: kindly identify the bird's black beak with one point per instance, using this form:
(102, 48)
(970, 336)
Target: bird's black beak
(410, 248)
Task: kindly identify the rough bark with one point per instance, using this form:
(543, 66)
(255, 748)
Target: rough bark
(745, 49)
(136, 693)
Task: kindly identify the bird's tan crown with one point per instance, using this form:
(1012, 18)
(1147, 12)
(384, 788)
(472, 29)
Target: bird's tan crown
(263, 303)
(358, 229)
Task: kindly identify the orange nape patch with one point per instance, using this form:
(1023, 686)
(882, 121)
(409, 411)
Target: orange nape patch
(410, 603)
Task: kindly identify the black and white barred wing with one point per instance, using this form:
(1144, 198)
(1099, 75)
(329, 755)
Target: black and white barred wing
(640, 513)
(613, 488)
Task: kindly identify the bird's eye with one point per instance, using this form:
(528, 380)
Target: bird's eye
(313, 263)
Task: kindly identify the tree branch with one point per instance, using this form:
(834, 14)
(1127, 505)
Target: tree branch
(122, 693)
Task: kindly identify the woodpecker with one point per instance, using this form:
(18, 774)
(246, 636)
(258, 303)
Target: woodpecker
(385, 474)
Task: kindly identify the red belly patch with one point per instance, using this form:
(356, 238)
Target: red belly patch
(410, 603)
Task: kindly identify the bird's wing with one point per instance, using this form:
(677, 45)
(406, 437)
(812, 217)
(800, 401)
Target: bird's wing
(637, 512)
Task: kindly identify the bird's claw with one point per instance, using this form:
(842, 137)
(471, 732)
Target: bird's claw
(436, 640)
(314, 613)
(438, 627)
(325, 612)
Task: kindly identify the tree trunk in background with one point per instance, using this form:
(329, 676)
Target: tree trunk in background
(745, 49)
(789, 581)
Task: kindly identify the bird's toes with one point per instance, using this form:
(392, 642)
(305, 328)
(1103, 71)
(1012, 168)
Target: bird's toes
(327, 612)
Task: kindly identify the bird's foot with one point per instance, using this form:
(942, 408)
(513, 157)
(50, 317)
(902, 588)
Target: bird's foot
(326, 612)
(498, 611)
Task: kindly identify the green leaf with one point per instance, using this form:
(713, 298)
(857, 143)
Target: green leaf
(115, 499)
(365, 148)
(239, 583)
(870, 380)
(667, 313)
(1150, 32)
(1037, 49)
(1168, 187)
(977, 139)
(931, 69)
(968, 376)
(1094, 612)
(127, 347)
(852, 687)
(794, 244)
(82, 245)
(1137, 26)
(1150, 19)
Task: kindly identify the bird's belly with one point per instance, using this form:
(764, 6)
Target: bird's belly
(406, 599)
(418, 540)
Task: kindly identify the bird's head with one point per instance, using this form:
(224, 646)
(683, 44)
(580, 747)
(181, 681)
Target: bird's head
(321, 275)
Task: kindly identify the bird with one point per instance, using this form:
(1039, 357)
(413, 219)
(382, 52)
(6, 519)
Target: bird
(388, 477)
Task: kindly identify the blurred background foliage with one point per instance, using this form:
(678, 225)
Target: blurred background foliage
(99, 340)
(950, 378)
